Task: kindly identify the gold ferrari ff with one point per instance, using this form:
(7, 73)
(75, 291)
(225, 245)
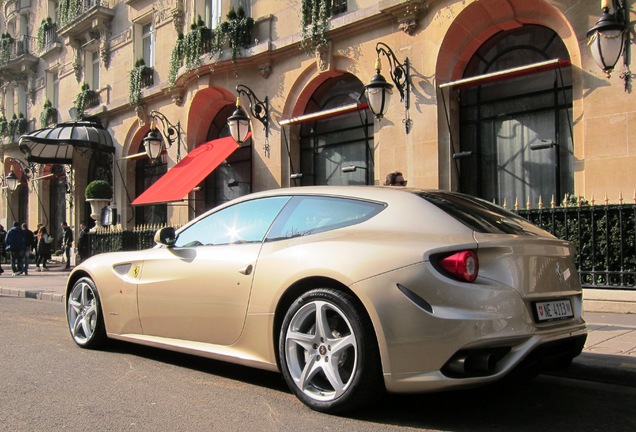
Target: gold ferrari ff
(347, 291)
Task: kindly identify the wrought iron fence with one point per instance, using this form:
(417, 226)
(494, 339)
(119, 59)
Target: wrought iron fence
(605, 239)
(118, 239)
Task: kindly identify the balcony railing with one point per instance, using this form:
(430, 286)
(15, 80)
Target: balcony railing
(14, 49)
(66, 16)
(49, 41)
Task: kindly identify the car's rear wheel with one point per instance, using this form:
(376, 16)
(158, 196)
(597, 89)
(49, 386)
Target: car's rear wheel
(84, 314)
(328, 354)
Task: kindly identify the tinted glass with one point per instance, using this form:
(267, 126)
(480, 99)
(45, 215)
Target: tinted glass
(313, 214)
(480, 215)
(246, 222)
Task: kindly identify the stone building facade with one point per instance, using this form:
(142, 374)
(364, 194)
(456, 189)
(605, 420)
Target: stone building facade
(505, 102)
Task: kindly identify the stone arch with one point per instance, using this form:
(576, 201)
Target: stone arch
(479, 21)
(205, 105)
(474, 26)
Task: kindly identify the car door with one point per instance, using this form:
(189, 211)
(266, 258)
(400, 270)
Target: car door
(199, 289)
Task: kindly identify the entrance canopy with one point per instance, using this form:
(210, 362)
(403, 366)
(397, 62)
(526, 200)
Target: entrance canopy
(56, 144)
(189, 172)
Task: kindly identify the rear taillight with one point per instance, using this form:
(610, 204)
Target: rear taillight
(462, 266)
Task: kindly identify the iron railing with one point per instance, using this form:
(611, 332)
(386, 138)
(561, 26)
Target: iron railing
(605, 239)
(110, 240)
(11, 49)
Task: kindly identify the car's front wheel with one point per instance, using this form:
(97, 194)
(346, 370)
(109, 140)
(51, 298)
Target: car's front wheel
(328, 354)
(84, 314)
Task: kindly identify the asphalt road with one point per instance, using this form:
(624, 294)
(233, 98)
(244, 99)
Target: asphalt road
(49, 384)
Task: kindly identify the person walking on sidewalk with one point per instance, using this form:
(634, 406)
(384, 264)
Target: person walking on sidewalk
(44, 249)
(16, 245)
(3, 252)
(82, 243)
(36, 233)
(67, 244)
(29, 245)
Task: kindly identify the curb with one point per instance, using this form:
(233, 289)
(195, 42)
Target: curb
(610, 301)
(33, 294)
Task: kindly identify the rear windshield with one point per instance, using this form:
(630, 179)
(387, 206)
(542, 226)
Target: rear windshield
(480, 215)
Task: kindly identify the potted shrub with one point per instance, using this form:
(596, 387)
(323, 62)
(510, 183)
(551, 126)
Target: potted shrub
(98, 193)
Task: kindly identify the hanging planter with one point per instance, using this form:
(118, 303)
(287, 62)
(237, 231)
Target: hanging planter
(237, 30)
(86, 98)
(314, 23)
(43, 31)
(141, 76)
(48, 115)
(189, 48)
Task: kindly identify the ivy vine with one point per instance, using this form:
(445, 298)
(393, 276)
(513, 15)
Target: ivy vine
(48, 114)
(68, 11)
(83, 98)
(140, 77)
(6, 46)
(9, 128)
(237, 30)
(46, 25)
(314, 23)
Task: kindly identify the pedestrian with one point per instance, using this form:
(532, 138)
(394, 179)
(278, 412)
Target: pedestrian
(29, 246)
(44, 249)
(3, 252)
(67, 244)
(35, 236)
(395, 179)
(82, 243)
(15, 245)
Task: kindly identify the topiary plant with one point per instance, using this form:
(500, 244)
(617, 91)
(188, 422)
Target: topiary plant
(99, 189)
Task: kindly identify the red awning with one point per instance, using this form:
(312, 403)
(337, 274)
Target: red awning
(188, 173)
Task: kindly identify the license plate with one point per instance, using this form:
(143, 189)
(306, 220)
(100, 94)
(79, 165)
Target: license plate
(553, 310)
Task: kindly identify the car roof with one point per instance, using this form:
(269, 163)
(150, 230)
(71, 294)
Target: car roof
(377, 193)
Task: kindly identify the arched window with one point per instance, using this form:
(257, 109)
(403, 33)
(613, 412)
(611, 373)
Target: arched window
(337, 150)
(233, 178)
(146, 173)
(516, 134)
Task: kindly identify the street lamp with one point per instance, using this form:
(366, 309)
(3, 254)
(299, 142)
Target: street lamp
(239, 122)
(154, 142)
(609, 38)
(379, 91)
(12, 180)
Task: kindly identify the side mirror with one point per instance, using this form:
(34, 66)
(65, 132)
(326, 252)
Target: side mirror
(165, 236)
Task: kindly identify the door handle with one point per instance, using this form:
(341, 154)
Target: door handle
(247, 270)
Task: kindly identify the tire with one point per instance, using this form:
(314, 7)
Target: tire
(328, 352)
(84, 315)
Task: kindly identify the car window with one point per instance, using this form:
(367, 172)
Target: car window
(245, 222)
(481, 215)
(313, 214)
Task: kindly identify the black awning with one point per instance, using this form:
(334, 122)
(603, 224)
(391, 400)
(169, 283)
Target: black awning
(56, 144)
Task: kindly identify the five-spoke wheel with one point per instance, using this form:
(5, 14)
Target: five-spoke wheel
(329, 359)
(84, 314)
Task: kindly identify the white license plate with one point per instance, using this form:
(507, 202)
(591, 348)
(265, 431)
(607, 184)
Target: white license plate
(552, 310)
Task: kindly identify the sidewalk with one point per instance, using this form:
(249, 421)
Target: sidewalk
(612, 331)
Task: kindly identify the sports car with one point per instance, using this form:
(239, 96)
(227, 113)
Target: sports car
(349, 292)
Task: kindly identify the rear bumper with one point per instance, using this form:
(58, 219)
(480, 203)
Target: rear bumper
(536, 354)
